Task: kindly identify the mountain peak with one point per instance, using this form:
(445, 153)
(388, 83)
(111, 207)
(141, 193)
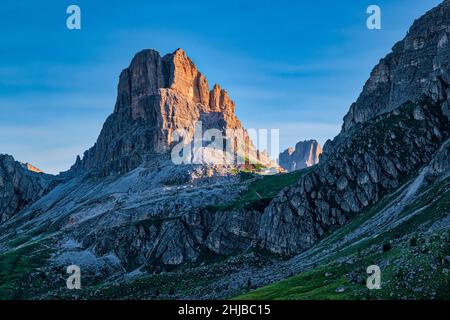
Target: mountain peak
(32, 168)
(305, 154)
(157, 96)
(180, 52)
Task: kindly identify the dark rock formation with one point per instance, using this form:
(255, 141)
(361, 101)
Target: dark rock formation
(419, 64)
(178, 240)
(19, 186)
(377, 157)
(440, 166)
(393, 129)
(305, 154)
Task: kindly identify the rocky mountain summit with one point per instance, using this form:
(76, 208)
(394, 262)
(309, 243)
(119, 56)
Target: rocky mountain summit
(32, 168)
(304, 155)
(126, 203)
(156, 97)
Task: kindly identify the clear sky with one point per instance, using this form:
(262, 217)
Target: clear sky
(292, 65)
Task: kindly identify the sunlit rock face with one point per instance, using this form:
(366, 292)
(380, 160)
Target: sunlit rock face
(156, 97)
(32, 168)
(305, 154)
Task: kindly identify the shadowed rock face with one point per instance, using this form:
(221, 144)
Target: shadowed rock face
(305, 154)
(394, 128)
(157, 96)
(374, 159)
(20, 185)
(419, 64)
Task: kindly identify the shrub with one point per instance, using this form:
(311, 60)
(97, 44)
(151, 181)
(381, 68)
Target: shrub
(386, 247)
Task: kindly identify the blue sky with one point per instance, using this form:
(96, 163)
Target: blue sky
(292, 65)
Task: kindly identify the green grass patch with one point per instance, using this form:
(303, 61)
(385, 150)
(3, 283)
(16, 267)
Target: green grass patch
(15, 268)
(310, 285)
(264, 188)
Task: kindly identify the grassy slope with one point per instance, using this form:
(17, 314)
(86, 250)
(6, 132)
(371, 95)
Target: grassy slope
(16, 266)
(264, 188)
(413, 264)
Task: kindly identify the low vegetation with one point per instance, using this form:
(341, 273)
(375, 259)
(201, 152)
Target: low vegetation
(16, 268)
(414, 258)
(263, 188)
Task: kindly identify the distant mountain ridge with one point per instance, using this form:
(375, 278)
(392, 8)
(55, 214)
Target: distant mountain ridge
(304, 155)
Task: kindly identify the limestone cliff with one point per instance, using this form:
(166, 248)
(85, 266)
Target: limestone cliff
(305, 154)
(417, 65)
(393, 129)
(157, 96)
(378, 157)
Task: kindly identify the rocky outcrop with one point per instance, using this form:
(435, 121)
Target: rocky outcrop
(20, 185)
(376, 158)
(393, 129)
(32, 168)
(181, 239)
(440, 166)
(305, 154)
(419, 64)
(156, 97)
